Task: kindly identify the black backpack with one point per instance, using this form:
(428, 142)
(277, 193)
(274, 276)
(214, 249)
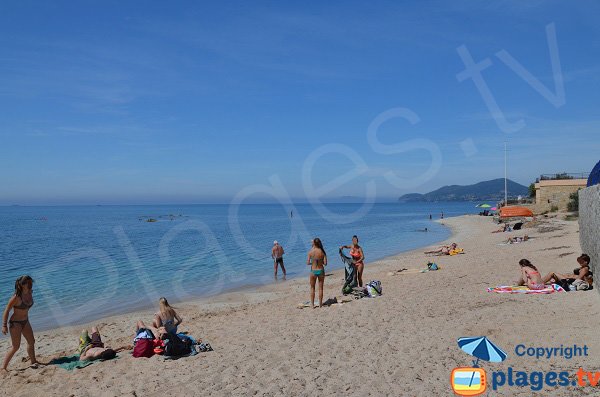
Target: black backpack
(176, 346)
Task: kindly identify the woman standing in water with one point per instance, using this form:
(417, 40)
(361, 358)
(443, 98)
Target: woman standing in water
(18, 325)
(317, 260)
(356, 252)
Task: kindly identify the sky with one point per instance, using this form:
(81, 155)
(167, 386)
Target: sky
(138, 102)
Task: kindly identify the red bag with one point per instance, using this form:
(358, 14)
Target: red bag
(143, 348)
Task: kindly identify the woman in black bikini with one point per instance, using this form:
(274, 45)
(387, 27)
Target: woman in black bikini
(18, 325)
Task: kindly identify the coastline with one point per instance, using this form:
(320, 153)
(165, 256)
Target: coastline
(241, 292)
(403, 343)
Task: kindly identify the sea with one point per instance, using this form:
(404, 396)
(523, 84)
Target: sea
(89, 262)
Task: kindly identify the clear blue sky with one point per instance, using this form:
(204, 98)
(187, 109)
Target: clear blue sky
(165, 102)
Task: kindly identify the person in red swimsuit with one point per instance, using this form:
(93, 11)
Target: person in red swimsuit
(356, 252)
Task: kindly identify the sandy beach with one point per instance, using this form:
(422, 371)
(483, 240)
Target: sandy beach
(402, 343)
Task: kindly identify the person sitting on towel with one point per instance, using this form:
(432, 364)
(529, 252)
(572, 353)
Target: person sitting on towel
(530, 276)
(583, 272)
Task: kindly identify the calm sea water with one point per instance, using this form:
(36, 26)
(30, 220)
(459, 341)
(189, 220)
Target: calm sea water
(91, 261)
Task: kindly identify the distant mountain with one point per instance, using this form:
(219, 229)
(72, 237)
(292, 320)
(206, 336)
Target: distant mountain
(483, 191)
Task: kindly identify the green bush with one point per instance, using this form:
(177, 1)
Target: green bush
(573, 204)
(532, 190)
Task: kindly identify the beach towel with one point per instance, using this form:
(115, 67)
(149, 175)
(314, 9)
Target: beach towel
(70, 362)
(512, 289)
(350, 276)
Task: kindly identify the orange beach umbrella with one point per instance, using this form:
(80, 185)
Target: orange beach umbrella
(506, 212)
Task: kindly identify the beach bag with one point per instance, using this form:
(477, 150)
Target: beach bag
(143, 348)
(176, 346)
(374, 288)
(432, 266)
(581, 285)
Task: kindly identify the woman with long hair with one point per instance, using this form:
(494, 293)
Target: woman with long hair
(317, 260)
(530, 276)
(356, 252)
(166, 317)
(18, 325)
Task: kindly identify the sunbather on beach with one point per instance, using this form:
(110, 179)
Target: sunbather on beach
(565, 280)
(506, 228)
(93, 348)
(583, 272)
(516, 240)
(143, 342)
(19, 324)
(444, 250)
(317, 260)
(530, 276)
(356, 252)
(166, 317)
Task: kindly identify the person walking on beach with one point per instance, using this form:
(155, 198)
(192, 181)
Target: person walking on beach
(166, 317)
(18, 325)
(277, 255)
(317, 260)
(356, 252)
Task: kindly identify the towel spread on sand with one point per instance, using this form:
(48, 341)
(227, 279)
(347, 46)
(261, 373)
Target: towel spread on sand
(70, 362)
(513, 289)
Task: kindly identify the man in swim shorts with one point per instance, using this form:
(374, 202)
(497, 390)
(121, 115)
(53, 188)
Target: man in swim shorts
(277, 255)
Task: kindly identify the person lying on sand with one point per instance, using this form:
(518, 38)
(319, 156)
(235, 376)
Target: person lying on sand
(93, 348)
(506, 228)
(444, 250)
(516, 240)
(530, 276)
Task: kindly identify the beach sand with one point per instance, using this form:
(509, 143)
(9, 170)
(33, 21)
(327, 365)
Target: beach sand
(400, 344)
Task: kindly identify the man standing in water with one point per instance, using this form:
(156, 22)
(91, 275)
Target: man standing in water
(277, 255)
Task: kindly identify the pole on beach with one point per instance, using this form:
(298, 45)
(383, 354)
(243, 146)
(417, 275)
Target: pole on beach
(505, 180)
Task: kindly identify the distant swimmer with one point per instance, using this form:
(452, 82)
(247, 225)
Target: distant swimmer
(277, 255)
(291, 214)
(423, 230)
